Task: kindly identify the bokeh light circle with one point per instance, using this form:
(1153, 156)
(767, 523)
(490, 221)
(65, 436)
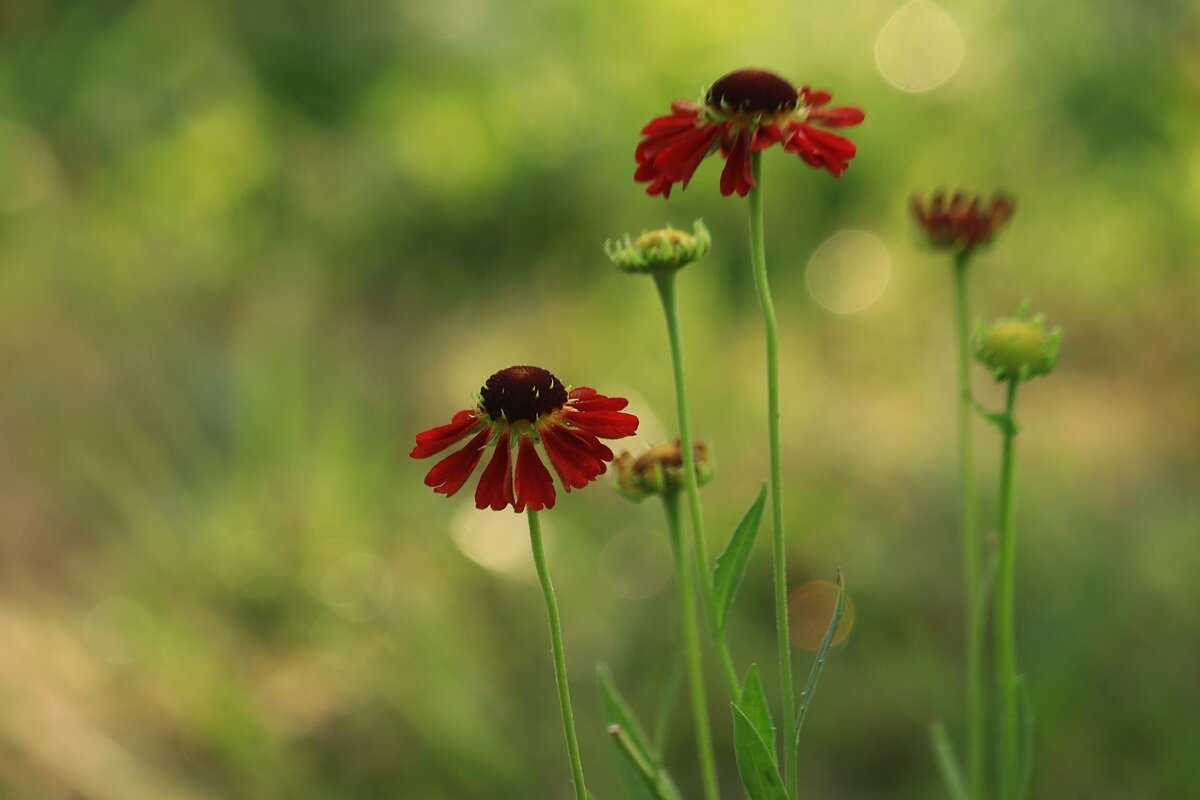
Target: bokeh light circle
(849, 271)
(634, 566)
(919, 47)
(496, 541)
(810, 610)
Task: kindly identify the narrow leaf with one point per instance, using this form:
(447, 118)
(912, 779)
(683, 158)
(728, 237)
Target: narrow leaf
(947, 762)
(760, 776)
(617, 712)
(731, 564)
(1001, 421)
(753, 702)
(819, 662)
(653, 781)
(646, 778)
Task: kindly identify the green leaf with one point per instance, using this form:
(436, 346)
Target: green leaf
(1025, 736)
(731, 564)
(617, 712)
(822, 652)
(755, 761)
(645, 776)
(651, 781)
(947, 762)
(753, 702)
(1003, 422)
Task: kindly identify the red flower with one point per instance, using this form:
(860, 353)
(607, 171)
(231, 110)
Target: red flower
(742, 113)
(526, 406)
(966, 222)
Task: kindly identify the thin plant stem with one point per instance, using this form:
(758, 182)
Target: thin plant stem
(758, 262)
(974, 604)
(665, 283)
(560, 660)
(691, 633)
(1005, 629)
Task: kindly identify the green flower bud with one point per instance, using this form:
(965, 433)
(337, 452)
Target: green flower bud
(659, 470)
(663, 250)
(1018, 347)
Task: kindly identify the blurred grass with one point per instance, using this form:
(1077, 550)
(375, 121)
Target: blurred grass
(247, 250)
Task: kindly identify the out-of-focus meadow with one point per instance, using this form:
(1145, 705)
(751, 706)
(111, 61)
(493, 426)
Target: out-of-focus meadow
(247, 250)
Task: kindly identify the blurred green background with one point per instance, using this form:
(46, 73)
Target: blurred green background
(247, 250)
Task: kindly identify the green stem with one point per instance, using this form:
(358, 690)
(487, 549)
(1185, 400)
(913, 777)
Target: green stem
(665, 283)
(758, 261)
(975, 606)
(560, 660)
(1005, 629)
(691, 633)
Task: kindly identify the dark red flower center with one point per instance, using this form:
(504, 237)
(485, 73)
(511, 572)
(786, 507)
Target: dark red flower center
(754, 90)
(522, 393)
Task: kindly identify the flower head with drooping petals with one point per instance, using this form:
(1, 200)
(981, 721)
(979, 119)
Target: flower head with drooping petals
(742, 113)
(964, 223)
(659, 470)
(526, 406)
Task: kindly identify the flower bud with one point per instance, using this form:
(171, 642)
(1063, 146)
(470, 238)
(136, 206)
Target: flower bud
(663, 250)
(1018, 347)
(659, 470)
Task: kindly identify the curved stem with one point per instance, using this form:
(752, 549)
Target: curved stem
(691, 632)
(1005, 629)
(560, 660)
(975, 605)
(665, 283)
(758, 261)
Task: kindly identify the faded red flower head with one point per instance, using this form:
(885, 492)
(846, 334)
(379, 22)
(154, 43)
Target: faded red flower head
(964, 222)
(742, 113)
(524, 407)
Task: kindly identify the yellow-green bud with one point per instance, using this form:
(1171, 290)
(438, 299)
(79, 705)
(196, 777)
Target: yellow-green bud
(663, 250)
(1018, 347)
(659, 470)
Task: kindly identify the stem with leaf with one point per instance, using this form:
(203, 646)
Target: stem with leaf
(758, 262)
(665, 283)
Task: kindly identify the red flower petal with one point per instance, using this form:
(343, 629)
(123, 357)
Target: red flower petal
(765, 136)
(814, 98)
(534, 486)
(737, 175)
(830, 142)
(438, 439)
(820, 148)
(679, 160)
(495, 489)
(605, 424)
(673, 148)
(571, 457)
(449, 474)
(585, 398)
(840, 117)
(669, 125)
